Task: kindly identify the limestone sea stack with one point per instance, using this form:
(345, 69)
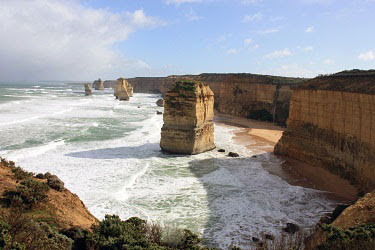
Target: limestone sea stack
(87, 89)
(98, 84)
(188, 114)
(123, 90)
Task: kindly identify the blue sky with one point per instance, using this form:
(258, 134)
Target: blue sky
(84, 40)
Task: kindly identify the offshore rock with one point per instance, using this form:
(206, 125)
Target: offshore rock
(188, 114)
(160, 103)
(123, 90)
(87, 89)
(98, 84)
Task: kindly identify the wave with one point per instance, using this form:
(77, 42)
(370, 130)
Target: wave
(33, 151)
(35, 117)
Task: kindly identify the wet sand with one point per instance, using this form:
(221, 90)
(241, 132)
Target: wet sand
(261, 137)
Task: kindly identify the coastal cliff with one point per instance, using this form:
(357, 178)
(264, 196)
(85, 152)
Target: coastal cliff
(188, 115)
(123, 90)
(331, 124)
(98, 84)
(245, 95)
(58, 206)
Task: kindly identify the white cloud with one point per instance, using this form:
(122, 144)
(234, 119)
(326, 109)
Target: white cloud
(367, 56)
(178, 2)
(269, 31)
(64, 40)
(233, 51)
(247, 41)
(309, 29)
(328, 61)
(278, 54)
(255, 17)
(308, 48)
(191, 15)
(248, 2)
(292, 70)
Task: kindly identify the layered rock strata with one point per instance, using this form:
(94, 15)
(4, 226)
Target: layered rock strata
(123, 90)
(109, 84)
(246, 95)
(332, 124)
(188, 115)
(87, 89)
(98, 84)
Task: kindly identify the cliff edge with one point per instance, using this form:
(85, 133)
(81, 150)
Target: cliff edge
(332, 124)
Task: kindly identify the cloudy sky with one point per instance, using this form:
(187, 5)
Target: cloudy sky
(88, 39)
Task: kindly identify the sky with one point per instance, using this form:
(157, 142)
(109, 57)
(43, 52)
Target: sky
(88, 39)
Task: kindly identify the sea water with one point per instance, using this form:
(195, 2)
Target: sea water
(107, 152)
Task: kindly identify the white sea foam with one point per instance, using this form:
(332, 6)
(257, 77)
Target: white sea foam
(224, 199)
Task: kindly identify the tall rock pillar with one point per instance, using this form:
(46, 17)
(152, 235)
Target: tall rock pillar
(98, 84)
(188, 115)
(87, 89)
(123, 90)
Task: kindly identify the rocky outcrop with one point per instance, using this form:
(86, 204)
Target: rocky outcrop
(147, 84)
(62, 208)
(332, 124)
(188, 114)
(87, 89)
(123, 90)
(245, 95)
(160, 103)
(98, 84)
(109, 84)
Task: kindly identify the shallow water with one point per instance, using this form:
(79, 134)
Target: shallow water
(107, 152)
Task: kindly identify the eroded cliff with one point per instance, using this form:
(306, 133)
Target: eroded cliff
(98, 84)
(123, 90)
(246, 95)
(332, 124)
(188, 115)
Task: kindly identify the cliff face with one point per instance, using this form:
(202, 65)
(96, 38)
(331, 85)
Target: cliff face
(63, 208)
(146, 84)
(98, 84)
(87, 89)
(332, 124)
(123, 90)
(188, 114)
(109, 84)
(245, 95)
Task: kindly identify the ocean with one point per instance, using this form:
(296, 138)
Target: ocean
(107, 152)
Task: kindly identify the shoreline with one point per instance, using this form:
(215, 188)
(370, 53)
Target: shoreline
(260, 138)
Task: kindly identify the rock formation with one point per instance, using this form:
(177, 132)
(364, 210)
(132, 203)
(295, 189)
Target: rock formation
(98, 84)
(331, 124)
(246, 95)
(160, 103)
(188, 114)
(109, 84)
(87, 89)
(123, 90)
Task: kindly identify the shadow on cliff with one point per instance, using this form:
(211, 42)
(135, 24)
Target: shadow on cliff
(144, 151)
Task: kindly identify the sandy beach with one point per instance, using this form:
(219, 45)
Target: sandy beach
(261, 137)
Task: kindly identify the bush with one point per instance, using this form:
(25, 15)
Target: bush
(362, 237)
(21, 174)
(78, 235)
(113, 233)
(55, 183)
(28, 193)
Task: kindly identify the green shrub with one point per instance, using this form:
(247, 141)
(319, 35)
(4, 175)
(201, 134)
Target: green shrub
(362, 237)
(29, 192)
(55, 183)
(21, 174)
(113, 233)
